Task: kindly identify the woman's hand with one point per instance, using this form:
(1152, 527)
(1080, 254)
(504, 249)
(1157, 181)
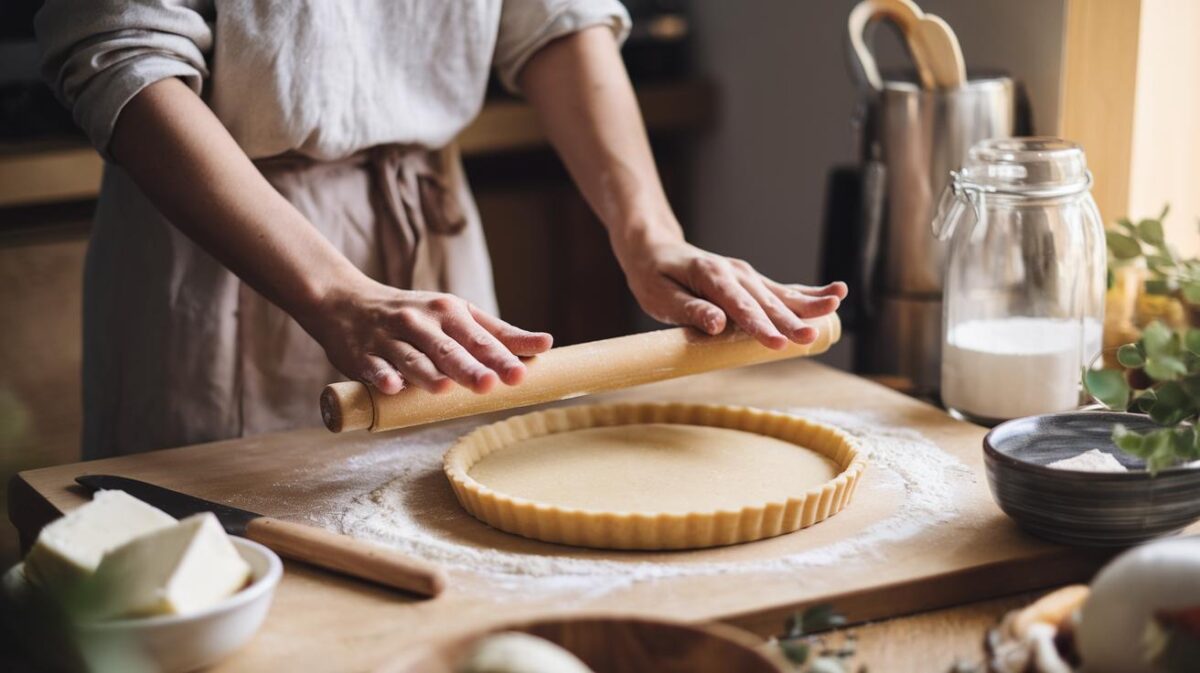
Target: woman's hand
(678, 283)
(393, 338)
(582, 94)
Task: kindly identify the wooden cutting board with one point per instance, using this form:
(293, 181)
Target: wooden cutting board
(331, 623)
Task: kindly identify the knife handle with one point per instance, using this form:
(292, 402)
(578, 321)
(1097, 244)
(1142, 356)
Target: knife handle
(346, 555)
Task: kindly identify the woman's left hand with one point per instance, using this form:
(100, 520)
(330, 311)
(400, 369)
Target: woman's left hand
(677, 283)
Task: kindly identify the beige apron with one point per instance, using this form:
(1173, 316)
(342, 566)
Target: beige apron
(178, 351)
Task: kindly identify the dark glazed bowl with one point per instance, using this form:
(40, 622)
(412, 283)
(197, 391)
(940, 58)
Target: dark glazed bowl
(1089, 509)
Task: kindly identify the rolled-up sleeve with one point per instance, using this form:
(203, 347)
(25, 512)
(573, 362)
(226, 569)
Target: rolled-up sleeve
(98, 54)
(527, 25)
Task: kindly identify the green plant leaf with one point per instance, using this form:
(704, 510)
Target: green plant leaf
(1151, 231)
(1173, 404)
(1191, 385)
(1128, 226)
(820, 618)
(1108, 387)
(796, 650)
(1156, 339)
(1191, 341)
(1143, 401)
(1130, 355)
(1160, 450)
(1166, 209)
(1165, 368)
(1184, 443)
(1157, 286)
(1160, 263)
(1122, 246)
(1191, 292)
(1128, 441)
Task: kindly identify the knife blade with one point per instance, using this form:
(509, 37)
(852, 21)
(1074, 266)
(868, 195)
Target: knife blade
(178, 505)
(295, 541)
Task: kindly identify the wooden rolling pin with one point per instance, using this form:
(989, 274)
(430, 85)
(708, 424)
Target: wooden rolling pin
(566, 372)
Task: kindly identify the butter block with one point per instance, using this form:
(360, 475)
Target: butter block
(177, 570)
(68, 550)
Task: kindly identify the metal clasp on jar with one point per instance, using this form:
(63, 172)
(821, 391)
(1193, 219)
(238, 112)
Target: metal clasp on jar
(961, 192)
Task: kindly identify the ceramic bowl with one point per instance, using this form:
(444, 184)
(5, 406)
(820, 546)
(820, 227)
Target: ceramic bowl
(165, 644)
(1090, 509)
(615, 644)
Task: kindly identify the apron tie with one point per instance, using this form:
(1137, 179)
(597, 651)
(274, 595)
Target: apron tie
(414, 203)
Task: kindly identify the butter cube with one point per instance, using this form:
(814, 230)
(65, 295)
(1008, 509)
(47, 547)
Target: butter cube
(68, 550)
(177, 570)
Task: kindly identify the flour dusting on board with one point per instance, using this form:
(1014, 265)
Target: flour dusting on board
(390, 515)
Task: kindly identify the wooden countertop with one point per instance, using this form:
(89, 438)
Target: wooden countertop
(48, 172)
(332, 623)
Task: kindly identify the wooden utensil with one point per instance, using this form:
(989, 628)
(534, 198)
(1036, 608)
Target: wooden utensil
(618, 644)
(931, 42)
(943, 55)
(290, 540)
(567, 372)
(905, 14)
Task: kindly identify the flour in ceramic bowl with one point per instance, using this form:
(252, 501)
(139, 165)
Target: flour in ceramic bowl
(415, 512)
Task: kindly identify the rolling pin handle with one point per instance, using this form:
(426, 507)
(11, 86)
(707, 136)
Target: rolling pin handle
(347, 406)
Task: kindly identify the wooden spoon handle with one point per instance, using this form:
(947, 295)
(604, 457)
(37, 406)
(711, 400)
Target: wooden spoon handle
(567, 372)
(346, 555)
(906, 15)
(943, 55)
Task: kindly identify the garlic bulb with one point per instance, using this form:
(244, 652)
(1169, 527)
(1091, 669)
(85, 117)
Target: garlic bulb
(1163, 575)
(514, 652)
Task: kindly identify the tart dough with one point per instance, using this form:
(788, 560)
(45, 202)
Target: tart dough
(655, 468)
(653, 476)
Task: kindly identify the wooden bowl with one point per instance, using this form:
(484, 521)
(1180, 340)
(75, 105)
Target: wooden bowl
(622, 645)
(1089, 509)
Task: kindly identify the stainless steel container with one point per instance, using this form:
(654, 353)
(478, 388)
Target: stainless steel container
(911, 136)
(912, 139)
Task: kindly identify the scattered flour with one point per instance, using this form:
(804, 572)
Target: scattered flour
(389, 515)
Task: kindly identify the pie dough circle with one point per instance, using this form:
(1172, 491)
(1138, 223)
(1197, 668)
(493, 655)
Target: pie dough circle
(653, 476)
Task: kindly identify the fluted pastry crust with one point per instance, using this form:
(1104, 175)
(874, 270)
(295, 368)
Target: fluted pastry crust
(632, 530)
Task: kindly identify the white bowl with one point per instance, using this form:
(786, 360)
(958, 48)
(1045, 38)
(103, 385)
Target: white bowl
(163, 644)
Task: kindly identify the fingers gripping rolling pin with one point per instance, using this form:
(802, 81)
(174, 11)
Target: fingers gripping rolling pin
(566, 372)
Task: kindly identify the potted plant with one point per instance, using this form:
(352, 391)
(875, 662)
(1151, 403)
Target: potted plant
(1158, 375)
(1147, 282)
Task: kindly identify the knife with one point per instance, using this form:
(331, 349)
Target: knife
(295, 541)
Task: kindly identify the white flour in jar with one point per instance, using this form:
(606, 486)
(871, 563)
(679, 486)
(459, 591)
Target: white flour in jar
(1013, 367)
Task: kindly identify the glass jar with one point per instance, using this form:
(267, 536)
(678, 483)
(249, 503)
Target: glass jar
(1023, 309)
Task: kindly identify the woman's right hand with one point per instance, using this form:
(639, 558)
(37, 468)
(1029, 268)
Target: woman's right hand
(166, 137)
(392, 338)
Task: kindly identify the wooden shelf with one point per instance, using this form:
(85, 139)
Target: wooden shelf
(41, 173)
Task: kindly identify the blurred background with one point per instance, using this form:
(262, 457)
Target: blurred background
(749, 106)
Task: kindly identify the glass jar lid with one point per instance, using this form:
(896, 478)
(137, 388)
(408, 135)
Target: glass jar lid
(1021, 169)
(1037, 167)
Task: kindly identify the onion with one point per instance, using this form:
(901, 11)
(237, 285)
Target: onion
(1162, 575)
